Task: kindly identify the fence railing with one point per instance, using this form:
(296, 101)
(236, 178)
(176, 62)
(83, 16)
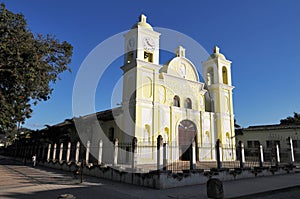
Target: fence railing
(161, 156)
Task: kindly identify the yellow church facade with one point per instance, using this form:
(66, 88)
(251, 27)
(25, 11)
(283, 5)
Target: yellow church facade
(169, 100)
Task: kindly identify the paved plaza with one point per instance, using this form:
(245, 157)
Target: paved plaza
(20, 181)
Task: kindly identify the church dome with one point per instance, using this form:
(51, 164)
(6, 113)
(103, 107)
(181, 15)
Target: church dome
(142, 23)
(216, 54)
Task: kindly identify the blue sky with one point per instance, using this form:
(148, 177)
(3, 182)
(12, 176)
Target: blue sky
(261, 38)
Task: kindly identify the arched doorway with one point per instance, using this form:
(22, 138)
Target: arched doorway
(186, 135)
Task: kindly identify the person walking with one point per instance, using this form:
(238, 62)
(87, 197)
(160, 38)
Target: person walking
(34, 160)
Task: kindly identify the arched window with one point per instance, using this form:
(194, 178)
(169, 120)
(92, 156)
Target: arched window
(147, 136)
(210, 76)
(176, 101)
(228, 139)
(166, 135)
(188, 103)
(225, 75)
(111, 134)
(207, 134)
(206, 139)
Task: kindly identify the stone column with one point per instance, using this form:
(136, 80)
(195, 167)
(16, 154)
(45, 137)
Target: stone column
(77, 152)
(242, 154)
(49, 152)
(277, 155)
(159, 152)
(219, 154)
(290, 142)
(61, 148)
(68, 152)
(115, 160)
(54, 152)
(261, 156)
(87, 153)
(193, 156)
(100, 152)
(134, 153)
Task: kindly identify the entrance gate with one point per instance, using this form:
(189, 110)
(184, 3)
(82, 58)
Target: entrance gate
(187, 133)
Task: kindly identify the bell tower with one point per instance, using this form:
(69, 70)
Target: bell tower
(140, 71)
(141, 49)
(142, 43)
(217, 75)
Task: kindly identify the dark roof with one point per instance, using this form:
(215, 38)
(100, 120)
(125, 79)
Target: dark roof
(272, 127)
(106, 115)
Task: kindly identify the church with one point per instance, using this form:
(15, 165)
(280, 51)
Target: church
(171, 101)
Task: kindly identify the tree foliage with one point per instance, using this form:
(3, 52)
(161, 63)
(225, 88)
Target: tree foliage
(291, 120)
(29, 65)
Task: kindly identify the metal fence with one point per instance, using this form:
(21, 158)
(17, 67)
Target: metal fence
(164, 157)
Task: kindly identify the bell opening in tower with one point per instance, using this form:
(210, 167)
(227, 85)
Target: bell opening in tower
(148, 57)
(130, 57)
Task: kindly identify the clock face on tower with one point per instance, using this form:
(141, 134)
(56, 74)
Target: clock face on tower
(149, 44)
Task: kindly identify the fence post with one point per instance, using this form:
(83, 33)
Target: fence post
(193, 156)
(165, 158)
(134, 153)
(100, 152)
(25, 153)
(77, 152)
(242, 154)
(38, 151)
(29, 151)
(60, 152)
(16, 148)
(277, 155)
(261, 156)
(49, 152)
(115, 160)
(68, 152)
(43, 152)
(219, 154)
(87, 152)
(54, 152)
(290, 142)
(159, 152)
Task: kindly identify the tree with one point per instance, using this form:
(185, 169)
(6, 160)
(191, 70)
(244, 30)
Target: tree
(29, 65)
(291, 120)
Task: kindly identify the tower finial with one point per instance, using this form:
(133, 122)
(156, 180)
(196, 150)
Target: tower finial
(180, 51)
(143, 18)
(216, 49)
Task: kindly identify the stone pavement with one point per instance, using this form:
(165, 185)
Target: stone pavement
(19, 181)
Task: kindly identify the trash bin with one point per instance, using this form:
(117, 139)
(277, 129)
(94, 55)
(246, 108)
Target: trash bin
(66, 196)
(214, 188)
